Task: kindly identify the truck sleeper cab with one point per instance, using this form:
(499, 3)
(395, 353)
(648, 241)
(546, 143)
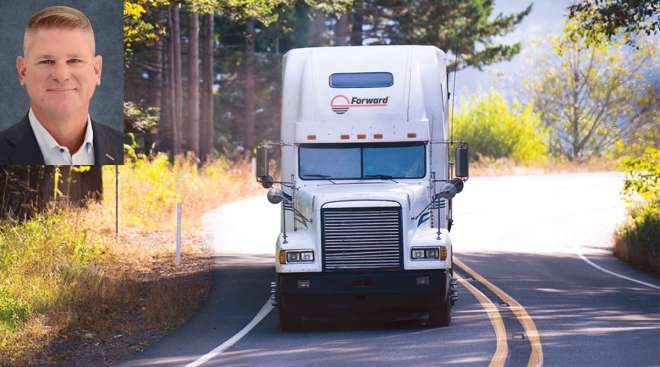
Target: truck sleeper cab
(365, 185)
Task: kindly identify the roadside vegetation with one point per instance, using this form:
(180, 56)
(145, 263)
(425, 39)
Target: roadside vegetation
(638, 240)
(67, 285)
(588, 107)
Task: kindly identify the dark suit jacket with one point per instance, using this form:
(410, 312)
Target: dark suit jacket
(18, 145)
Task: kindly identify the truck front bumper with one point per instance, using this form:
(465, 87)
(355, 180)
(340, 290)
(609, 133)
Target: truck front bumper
(362, 294)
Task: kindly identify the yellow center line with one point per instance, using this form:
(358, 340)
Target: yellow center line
(536, 357)
(495, 319)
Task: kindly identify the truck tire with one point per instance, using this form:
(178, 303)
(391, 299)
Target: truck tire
(441, 316)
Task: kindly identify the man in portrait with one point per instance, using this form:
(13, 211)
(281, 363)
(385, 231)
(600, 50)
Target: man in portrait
(59, 70)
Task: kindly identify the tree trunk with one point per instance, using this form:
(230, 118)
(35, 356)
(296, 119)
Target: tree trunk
(193, 84)
(250, 92)
(206, 128)
(165, 124)
(177, 83)
(317, 29)
(358, 20)
(341, 30)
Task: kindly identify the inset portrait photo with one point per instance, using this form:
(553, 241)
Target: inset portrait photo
(62, 86)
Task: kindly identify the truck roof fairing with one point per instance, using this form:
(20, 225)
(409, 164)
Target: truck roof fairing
(413, 108)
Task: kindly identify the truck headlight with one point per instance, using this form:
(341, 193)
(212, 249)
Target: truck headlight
(428, 253)
(296, 257)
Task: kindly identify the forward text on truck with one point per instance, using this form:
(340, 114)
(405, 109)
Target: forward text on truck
(366, 185)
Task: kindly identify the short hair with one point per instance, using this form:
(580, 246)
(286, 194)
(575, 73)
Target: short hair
(58, 16)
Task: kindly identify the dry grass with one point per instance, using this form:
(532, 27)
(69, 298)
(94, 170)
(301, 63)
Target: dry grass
(507, 167)
(103, 297)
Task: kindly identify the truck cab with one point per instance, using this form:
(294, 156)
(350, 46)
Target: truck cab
(365, 185)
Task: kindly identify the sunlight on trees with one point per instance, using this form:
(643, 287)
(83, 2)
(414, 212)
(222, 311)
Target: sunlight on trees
(591, 97)
(496, 130)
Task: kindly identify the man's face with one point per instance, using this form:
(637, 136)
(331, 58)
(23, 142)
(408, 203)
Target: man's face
(59, 71)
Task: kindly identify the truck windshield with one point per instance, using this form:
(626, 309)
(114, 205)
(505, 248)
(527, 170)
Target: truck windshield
(361, 161)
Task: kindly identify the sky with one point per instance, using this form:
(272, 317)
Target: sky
(547, 18)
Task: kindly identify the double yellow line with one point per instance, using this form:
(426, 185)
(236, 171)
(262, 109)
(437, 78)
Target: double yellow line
(501, 352)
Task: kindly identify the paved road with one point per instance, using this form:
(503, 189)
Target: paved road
(530, 233)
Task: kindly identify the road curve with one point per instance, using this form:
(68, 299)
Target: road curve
(524, 234)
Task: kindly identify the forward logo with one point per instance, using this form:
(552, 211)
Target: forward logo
(340, 103)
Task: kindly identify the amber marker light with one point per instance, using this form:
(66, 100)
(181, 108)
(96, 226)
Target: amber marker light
(412, 135)
(282, 257)
(443, 253)
(311, 137)
(361, 136)
(345, 136)
(378, 136)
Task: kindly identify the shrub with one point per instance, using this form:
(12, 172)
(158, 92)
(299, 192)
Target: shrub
(13, 311)
(495, 130)
(642, 176)
(638, 240)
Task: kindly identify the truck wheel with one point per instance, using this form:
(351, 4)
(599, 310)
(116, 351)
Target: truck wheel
(441, 316)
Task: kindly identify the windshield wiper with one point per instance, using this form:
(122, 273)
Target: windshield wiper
(318, 175)
(382, 177)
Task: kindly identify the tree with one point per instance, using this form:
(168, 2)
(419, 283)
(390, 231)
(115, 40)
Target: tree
(176, 79)
(610, 18)
(250, 12)
(197, 102)
(592, 97)
(250, 83)
(462, 27)
(192, 130)
(206, 129)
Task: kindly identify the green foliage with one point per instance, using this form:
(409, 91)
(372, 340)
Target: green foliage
(592, 97)
(602, 20)
(138, 119)
(13, 311)
(467, 28)
(336, 7)
(202, 6)
(495, 130)
(138, 28)
(642, 177)
(641, 234)
(261, 10)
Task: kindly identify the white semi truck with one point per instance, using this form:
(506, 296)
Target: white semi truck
(366, 184)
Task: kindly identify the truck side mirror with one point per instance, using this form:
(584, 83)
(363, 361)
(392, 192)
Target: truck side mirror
(462, 161)
(263, 177)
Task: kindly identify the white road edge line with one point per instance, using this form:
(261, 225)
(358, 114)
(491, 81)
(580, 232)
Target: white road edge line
(265, 310)
(579, 252)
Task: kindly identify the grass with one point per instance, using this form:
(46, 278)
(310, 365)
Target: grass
(44, 262)
(67, 285)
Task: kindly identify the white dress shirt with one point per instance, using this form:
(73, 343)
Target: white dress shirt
(57, 155)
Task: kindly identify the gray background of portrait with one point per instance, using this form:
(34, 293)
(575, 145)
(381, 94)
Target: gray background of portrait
(107, 21)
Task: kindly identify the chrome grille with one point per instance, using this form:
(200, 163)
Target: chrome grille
(361, 238)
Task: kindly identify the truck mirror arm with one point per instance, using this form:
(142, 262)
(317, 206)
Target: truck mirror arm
(448, 191)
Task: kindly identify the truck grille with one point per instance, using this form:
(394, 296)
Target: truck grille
(361, 238)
